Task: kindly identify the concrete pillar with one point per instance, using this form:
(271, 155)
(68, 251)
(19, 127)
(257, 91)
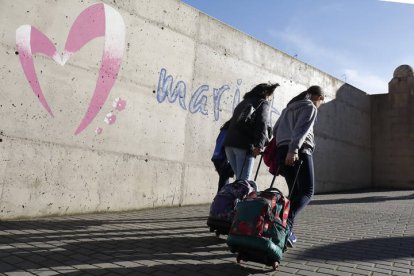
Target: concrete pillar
(393, 132)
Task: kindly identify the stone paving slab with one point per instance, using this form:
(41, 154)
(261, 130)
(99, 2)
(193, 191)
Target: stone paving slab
(364, 233)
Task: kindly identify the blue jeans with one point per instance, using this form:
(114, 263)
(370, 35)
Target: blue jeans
(241, 161)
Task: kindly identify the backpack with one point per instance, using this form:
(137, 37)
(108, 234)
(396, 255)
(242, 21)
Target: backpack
(227, 198)
(219, 153)
(260, 223)
(247, 117)
(270, 157)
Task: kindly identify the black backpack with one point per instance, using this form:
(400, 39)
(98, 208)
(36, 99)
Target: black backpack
(247, 118)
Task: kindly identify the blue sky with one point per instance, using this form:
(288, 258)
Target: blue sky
(358, 41)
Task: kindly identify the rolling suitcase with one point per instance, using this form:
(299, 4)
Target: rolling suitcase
(223, 206)
(259, 229)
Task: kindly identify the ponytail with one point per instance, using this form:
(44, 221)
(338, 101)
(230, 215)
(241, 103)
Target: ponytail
(261, 91)
(314, 90)
(302, 96)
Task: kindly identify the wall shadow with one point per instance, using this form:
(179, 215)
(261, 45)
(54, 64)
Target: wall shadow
(369, 199)
(69, 234)
(181, 269)
(31, 244)
(118, 249)
(74, 224)
(363, 250)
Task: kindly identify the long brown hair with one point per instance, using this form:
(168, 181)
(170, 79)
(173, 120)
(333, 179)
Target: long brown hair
(314, 90)
(261, 91)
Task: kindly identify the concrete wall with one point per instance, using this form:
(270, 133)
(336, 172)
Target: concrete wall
(343, 133)
(181, 73)
(393, 132)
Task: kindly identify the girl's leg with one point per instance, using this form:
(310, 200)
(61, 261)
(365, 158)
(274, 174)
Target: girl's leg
(245, 163)
(231, 156)
(304, 188)
(222, 170)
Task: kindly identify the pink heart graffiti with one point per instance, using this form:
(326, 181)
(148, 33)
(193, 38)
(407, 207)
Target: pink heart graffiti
(99, 20)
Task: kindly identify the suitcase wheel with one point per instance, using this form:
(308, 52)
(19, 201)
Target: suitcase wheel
(275, 266)
(238, 258)
(217, 234)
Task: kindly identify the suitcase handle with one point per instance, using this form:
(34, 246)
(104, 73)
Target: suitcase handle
(298, 164)
(258, 167)
(272, 189)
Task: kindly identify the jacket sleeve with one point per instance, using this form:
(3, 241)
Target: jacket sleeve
(262, 122)
(305, 120)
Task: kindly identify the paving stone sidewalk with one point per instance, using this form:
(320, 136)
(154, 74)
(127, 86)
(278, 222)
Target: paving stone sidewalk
(365, 233)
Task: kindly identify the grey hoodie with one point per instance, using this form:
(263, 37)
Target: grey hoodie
(295, 125)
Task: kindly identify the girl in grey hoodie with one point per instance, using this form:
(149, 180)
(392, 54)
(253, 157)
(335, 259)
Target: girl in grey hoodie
(295, 141)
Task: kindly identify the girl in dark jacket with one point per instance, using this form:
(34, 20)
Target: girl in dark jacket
(293, 132)
(243, 144)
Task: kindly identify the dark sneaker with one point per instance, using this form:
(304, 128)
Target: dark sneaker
(291, 239)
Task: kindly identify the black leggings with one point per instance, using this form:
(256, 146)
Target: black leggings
(224, 170)
(304, 187)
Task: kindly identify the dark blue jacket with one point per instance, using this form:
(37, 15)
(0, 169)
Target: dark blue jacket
(219, 153)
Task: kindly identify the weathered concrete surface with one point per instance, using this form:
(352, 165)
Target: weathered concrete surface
(158, 151)
(343, 132)
(393, 132)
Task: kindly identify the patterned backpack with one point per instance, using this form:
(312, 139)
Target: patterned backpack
(259, 230)
(260, 226)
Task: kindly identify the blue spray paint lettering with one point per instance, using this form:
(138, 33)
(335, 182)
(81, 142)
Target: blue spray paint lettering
(236, 98)
(198, 102)
(217, 99)
(164, 89)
